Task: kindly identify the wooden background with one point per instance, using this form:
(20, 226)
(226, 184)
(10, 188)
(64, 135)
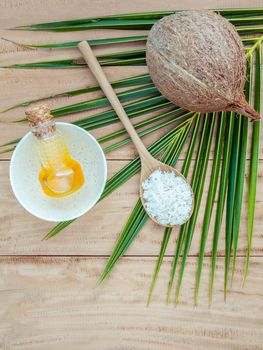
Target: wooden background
(48, 294)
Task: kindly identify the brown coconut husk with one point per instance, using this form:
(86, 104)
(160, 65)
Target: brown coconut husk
(196, 59)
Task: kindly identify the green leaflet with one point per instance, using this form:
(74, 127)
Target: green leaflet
(123, 58)
(147, 131)
(133, 109)
(241, 169)
(185, 169)
(168, 231)
(222, 191)
(165, 241)
(254, 158)
(133, 21)
(140, 92)
(96, 42)
(139, 216)
(102, 119)
(210, 199)
(109, 41)
(231, 192)
(198, 180)
(239, 190)
(183, 229)
(113, 135)
(128, 60)
(127, 82)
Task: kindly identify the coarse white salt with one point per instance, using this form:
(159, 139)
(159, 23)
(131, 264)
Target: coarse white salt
(168, 197)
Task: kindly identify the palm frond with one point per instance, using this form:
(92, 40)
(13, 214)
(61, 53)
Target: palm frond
(176, 112)
(222, 190)
(185, 169)
(198, 180)
(139, 216)
(95, 42)
(143, 20)
(254, 158)
(106, 41)
(127, 58)
(231, 192)
(150, 130)
(210, 200)
(165, 241)
(140, 92)
(241, 169)
(71, 63)
(239, 191)
(102, 119)
(123, 83)
(171, 155)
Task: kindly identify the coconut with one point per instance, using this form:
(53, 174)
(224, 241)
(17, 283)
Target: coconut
(196, 59)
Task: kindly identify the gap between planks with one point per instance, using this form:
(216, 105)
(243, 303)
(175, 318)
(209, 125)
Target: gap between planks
(107, 256)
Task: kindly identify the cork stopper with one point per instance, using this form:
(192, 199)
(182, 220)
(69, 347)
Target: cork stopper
(41, 121)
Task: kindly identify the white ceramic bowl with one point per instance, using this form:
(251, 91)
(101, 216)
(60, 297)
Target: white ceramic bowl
(25, 167)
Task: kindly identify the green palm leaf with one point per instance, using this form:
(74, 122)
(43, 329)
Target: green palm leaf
(131, 21)
(96, 42)
(210, 200)
(108, 41)
(241, 169)
(123, 58)
(102, 119)
(232, 181)
(173, 113)
(139, 216)
(239, 191)
(147, 90)
(254, 158)
(127, 82)
(222, 190)
(198, 180)
(133, 109)
(171, 155)
(185, 170)
(165, 241)
(70, 63)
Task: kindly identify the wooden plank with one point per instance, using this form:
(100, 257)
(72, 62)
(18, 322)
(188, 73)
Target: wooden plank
(17, 12)
(53, 303)
(96, 232)
(20, 85)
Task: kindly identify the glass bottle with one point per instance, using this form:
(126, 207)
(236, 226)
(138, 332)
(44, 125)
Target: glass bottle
(60, 174)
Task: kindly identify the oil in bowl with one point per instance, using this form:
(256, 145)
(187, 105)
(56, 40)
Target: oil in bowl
(25, 170)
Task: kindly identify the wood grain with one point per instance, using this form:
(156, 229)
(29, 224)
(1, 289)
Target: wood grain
(53, 303)
(96, 232)
(20, 85)
(48, 294)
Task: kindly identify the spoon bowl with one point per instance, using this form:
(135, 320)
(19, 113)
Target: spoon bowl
(148, 167)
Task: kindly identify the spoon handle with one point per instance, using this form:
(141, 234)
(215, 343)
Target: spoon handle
(98, 73)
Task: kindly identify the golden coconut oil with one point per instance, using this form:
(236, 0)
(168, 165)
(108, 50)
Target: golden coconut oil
(60, 175)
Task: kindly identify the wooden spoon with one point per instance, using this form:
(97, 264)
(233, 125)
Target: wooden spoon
(149, 164)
